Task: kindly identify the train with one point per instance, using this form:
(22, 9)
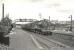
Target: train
(39, 27)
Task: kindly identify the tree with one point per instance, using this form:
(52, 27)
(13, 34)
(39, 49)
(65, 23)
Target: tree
(6, 21)
(5, 25)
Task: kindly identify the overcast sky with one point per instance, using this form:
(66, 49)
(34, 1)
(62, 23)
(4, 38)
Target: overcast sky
(56, 9)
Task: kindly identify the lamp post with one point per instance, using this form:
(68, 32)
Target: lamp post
(70, 23)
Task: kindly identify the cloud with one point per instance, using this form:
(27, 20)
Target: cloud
(64, 10)
(53, 5)
(36, 0)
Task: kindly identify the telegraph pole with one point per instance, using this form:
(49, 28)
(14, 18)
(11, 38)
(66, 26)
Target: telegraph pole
(49, 22)
(49, 18)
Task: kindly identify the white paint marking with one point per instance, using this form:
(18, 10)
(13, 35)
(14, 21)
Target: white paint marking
(12, 33)
(37, 44)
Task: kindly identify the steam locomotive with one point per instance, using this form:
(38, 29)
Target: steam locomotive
(38, 27)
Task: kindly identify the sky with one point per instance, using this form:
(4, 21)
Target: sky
(57, 9)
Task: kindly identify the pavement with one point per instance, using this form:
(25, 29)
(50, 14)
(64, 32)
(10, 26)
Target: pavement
(21, 40)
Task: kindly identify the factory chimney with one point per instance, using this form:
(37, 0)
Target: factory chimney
(2, 10)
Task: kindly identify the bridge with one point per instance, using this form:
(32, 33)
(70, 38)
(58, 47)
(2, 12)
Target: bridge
(24, 21)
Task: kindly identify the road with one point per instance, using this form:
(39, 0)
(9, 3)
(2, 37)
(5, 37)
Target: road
(23, 40)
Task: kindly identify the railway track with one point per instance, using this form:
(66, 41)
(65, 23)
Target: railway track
(54, 44)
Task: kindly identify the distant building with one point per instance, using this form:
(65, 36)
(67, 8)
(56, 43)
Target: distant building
(54, 21)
